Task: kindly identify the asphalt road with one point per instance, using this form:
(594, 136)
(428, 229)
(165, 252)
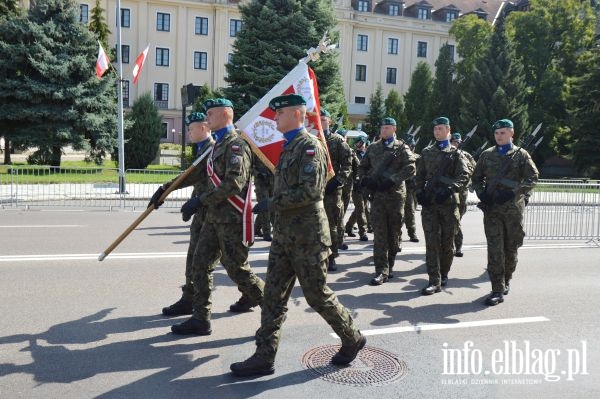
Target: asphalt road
(74, 327)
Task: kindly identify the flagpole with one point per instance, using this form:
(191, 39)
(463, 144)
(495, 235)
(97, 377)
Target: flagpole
(120, 101)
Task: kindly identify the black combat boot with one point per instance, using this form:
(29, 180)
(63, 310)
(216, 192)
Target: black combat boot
(494, 299)
(431, 289)
(192, 326)
(391, 262)
(244, 304)
(332, 265)
(252, 366)
(413, 238)
(444, 281)
(348, 353)
(267, 237)
(379, 279)
(181, 307)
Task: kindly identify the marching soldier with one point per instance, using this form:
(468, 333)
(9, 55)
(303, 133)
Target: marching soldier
(263, 187)
(199, 134)
(341, 160)
(503, 176)
(441, 173)
(386, 165)
(223, 236)
(462, 194)
(300, 244)
(359, 198)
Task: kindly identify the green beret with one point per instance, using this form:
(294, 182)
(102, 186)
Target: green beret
(364, 139)
(502, 123)
(194, 117)
(388, 121)
(288, 100)
(216, 102)
(341, 132)
(456, 136)
(326, 113)
(442, 120)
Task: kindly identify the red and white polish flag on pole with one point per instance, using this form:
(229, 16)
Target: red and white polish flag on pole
(258, 125)
(139, 63)
(102, 62)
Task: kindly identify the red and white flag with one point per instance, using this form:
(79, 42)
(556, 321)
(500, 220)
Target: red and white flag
(139, 63)
(102, 62)
(258, 125)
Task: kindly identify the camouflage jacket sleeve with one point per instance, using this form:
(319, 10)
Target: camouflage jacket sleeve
(529, 174)
(521, 175)
(421, 173)
(355, 164)
(300, 174)
(478, 177)
(407, 167)
(233, 166)
(364, 166)
(462, 172)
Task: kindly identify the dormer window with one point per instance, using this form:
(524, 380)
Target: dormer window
(394, 9)
(362, 6)
(451, 16)
(422, 13)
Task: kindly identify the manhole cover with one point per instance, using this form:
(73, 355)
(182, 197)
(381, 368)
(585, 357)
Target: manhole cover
(372, 366)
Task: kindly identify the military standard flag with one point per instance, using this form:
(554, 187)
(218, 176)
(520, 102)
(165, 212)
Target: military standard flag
(102, 62)
(258, 125)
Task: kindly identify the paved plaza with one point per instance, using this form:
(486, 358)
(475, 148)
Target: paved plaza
(74, 327)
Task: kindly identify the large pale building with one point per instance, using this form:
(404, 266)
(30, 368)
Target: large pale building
(191, 41)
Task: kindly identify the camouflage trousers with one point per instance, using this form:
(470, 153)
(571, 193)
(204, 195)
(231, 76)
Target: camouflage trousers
(334, 207)
(386, 215)
(346, 195)
(263, 189)
(410, 209)
(358, 215)
(221, 241)
(195, 227)
(439, 226)
(504, 233)
(462, 209)
(306, 261)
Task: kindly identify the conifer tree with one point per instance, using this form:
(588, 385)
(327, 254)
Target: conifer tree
(394, 107)
(417, 100)
(142, 137)
(98, 25)
(376, 113)
(445, 97)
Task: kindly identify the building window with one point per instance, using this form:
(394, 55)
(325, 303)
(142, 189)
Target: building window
(161, 91)
(361, 73)
(422, 13)
(451, 16)
(362, 43)
(125, 17)
(235, 25)
(83, 13)
(362, 6)
(359, 100)
(125, 53)
(422, 49)
(126, 93)
(162, 56)
(165, 131)
(163, 22)
(392, 46)
(200, 60)
(390, 76)
(394, 9)
(451, 51)
(201, 26)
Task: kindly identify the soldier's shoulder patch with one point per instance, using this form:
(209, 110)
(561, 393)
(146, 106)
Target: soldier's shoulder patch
(310, 151)
(234, 160)
(308, 168)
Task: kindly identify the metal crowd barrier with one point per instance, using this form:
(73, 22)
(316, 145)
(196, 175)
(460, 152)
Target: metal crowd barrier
(558, 209)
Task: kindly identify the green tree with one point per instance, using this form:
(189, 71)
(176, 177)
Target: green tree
(274, 36)
(376, 113)
(472, 36)
(9, 8)
(142, 138)
(49, 94)
(445, 99)
(418, 99)
(584, 106)
(394, 107)
(98, 25)
(549, 39)
(496, 90)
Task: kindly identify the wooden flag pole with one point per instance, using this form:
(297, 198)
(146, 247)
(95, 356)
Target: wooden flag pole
(148, 210)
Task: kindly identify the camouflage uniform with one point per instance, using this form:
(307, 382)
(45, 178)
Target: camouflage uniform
(199, 180)
(341, 160)
(263, 188)
(462, 203)
(300, 246)
(387, 205)
(440, 220)
(503, 223)
(410, 206)
(359, 199)
(221, 235)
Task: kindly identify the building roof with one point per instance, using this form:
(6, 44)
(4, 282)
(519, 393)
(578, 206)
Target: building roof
(489, 9)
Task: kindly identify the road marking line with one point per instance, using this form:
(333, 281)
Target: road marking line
(463, 324)
(40, 226)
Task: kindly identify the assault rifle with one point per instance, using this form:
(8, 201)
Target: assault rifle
(478, 151)
(378, 174)
(431, 184)
(467, 137)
